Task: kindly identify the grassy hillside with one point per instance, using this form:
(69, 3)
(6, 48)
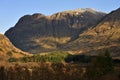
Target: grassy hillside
(104, 35)
(7, 50)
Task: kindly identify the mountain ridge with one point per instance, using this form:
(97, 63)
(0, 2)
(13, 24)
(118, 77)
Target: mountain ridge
(7, 50)
(104, 36)
(39, 33)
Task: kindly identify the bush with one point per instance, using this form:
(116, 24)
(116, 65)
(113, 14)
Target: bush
(24, 59)
(1, 49)
(78, 58)
(9, 53)
(12, 59)
(1, 58)
(101, 65)
(57, 56)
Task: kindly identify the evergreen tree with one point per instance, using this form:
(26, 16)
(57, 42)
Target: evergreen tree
(101, 65)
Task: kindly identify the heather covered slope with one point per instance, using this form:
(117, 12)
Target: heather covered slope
(7, 50)
(106, 35)
(39, 33)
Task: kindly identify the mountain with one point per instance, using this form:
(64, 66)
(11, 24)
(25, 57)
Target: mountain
(7, 50)
(39, 33)
(105, 35)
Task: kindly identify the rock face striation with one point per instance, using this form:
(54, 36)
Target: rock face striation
(39, 33)
(105, 35)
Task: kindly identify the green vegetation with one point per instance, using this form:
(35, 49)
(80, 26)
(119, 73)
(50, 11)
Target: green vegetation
(12, 59)
(57, 56)
(78, 58)
(50, 67)
(9, 53)
(101, 65)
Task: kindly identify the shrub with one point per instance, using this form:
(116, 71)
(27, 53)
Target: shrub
(9, 53)
(1, 58)
(24, 59)
(78, 58)
(57, 56)
(12, 59)
(101, 65)
(1, 49)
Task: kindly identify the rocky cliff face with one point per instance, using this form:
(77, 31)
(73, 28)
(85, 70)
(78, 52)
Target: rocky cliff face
(7, 49)
(39, 33)
(106, 35)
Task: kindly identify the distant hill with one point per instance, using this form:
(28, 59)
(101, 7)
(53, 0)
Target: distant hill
(105, 35)
(39, 33)
(7, 50)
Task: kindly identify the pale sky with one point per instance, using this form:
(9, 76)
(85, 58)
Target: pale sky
(12, 10)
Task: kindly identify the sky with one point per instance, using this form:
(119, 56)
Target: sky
(12, 10)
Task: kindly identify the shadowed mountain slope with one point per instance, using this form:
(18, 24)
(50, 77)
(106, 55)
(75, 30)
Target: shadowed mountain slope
(106, 35)
(8, 50)
(39, 33)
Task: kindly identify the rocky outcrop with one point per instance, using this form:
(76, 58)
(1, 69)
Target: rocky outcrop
(106, 35)
(39, 33)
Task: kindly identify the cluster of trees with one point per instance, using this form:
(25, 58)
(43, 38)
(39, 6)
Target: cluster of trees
(100, 66)
(57, 56)
(60, 56)
(40, 58)
(78, 58)
(97, 67)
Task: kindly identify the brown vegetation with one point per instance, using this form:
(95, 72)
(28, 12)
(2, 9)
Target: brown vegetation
(104, 35)
(39, 33)
(7, 50)
(45, 71)
(51, 71)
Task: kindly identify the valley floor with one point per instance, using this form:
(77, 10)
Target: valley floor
(51, 71)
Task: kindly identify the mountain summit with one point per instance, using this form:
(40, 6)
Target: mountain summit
(105, 35)
(39, 33)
